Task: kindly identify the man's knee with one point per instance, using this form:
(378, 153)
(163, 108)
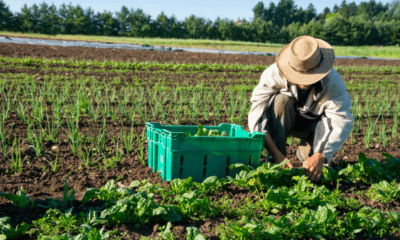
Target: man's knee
(283, 104)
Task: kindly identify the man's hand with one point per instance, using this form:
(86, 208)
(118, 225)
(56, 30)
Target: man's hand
(289, 165)
(313, 166)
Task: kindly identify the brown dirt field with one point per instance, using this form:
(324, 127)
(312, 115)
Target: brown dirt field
(20, 50)
(41, 184)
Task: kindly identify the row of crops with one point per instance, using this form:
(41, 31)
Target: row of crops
(99, 110)
(309, 210)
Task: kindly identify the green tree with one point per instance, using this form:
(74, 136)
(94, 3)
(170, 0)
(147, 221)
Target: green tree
(262, 31)
(196, 27)
(310, 13)
(108, 26)
(259, 11)
(344, 9)
(123, 17)
(176, 28)
(394, 9)
(139, 23)
(91, 22)
(79, 21)
(285, 12)
(53, 20)
(162, 26)
(66, 18)
(371, 9)
(43, 23)
(225, 28)
(322, 15)
(25, 18)
(269, 14)
(5, 16)
(352, 9)
(335, 9)
(300, 16)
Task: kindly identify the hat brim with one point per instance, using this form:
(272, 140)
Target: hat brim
(309, 77)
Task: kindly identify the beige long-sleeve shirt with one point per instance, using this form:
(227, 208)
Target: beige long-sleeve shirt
(329, 99)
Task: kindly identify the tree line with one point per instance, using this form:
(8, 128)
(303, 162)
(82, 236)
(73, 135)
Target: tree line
(368, 23)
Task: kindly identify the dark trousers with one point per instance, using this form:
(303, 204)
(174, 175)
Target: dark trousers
(283, 121)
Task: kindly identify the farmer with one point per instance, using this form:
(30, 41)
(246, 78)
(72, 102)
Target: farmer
(301, 95)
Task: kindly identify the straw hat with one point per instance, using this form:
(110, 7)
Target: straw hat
(305, 60)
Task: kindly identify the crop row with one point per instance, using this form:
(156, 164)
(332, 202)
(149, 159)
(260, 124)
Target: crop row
(315, 208)
(168, 78)
(137, 105)
(361, 103)
(129, 65)
(146, 65)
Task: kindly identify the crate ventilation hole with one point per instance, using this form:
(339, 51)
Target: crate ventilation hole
(227, 165)
(181, 168)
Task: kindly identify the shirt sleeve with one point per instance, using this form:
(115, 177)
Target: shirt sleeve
(335, 127)
(262, 97)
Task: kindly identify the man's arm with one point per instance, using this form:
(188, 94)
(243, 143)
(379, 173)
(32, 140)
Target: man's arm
(276, 154)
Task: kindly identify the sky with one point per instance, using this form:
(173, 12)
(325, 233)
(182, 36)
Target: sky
(208, 9)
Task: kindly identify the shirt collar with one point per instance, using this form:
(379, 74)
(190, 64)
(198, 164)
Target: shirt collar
(319, 87)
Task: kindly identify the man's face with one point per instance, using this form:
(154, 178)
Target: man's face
(304, 87)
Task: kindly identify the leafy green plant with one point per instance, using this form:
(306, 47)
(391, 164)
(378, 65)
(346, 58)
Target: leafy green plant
(264, 176)
(241, 229)
(372, 221)
(366, 171)
(10, 232)
(20, 199)
(190, 206)
(193, 233)
(87, 232)
(210, 185)
(138, 208)
(204, 132)
(92, 219)
(392, 165)
(384, 192)
(55, 223)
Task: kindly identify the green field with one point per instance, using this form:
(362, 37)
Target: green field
(392, 52)
(90, 109)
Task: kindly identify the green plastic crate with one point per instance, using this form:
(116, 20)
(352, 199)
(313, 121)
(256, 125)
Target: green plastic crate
(176, 155)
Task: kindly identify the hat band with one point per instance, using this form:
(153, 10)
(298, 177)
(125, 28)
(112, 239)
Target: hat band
(308, 70)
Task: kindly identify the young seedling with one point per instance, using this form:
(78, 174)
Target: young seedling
(141, 141)
(35, 139)
(5, 142)
(88, 157)
(55, 165)
(128, 140)
(68, 195)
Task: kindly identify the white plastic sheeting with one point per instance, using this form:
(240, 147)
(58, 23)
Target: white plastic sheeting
(64, 43)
